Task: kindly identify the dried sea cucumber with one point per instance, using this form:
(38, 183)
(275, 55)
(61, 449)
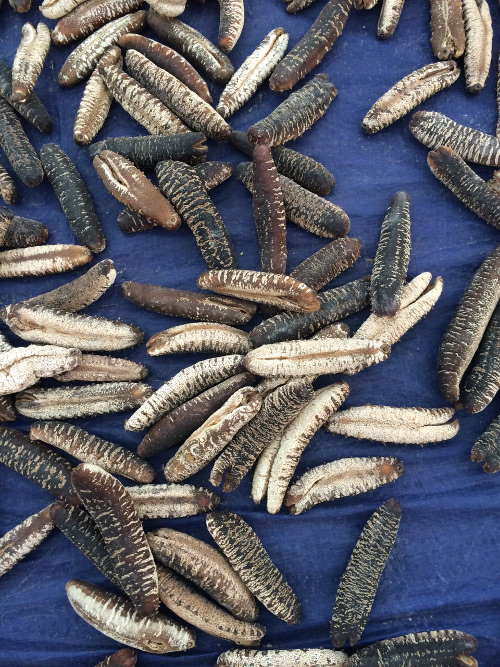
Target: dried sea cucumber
(478, 43)
(359, 583)
(109, 504)
(447, 26)
(73, 196)
(33, 110)
(296, 114)
(23, 538)
(248, 557)
(17, 147)
(29, 60)
(313, 47)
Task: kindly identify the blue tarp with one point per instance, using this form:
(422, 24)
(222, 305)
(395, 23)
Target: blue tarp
(444, 571)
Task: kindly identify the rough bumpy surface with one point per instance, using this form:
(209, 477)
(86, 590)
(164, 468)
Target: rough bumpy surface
(73, 196)
(467, 327)
(21, 540)
(109, 504)
(171, 501)
(192, 44)
(183, 187)
(299, 657)
(419, 649)
(487, 447)
(435, 129)
(117, 618)
(304, 208)
(187, 603)
(278, 408)
(359, 583)
(313, 47)
(336, 304)
(87, 54)
(207, 568)
(478, 43)
(29, 60)
(252, 72)
(392, 257)
(341, 478)
(90, 449)
(199, 337)
(178, 424)
(296, 114)
(33, 110)
(302, 169)
(389, 18)
(146, 152)
(232, 17)
(38, 463)
(82, 401)
(17, 147)
(451, 170)
(247, 555)
(327, 263)
(42, 261)
(407, 93)
(183, 386)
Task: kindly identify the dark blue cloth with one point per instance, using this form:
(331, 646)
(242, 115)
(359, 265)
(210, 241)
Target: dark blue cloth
(444, 571)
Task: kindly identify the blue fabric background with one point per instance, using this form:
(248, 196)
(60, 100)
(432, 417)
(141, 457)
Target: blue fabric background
(444, 571)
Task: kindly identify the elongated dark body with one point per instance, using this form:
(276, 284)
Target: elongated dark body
(8, 189)
(38, 463)
(89, 17)
(435, 129)
(87, 54)
(169, 60)
(447, 26)
(478, 43)
(487, 448)
(81, 529)
(178, 424)
(392, 257)
(73, 196)
(17, 147)
(125, 657)
(302, 207)
(483, 380)
(336, 304)
(25, 233)
(187, 603)
(465, 331)
(278, 408)
(211, 173)
(248, 557)
(269, 211)
(359, 583)
(180, 99)
(90, 449)
(113, 511)
(23, 538)
(33, 110)
(450, 169)
(81, 401)
(183, 187)
(146, 152)
(81, 292)
(296, 114)
(117, 618)
(312, 48)
(206, 567)
(193, 45)
(189, 305)
(302, 169)
(420, 649)
(327, 263)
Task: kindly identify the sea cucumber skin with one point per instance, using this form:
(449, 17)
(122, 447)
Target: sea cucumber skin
(23, 538)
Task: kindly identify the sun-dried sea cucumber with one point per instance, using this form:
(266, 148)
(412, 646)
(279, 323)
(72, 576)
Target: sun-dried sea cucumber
(359, 583)
(313, 47)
